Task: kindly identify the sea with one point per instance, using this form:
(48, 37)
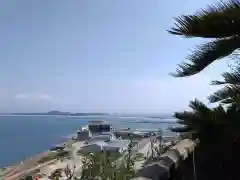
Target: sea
(25, 136)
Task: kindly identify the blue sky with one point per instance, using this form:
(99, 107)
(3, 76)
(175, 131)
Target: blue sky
(90, 55)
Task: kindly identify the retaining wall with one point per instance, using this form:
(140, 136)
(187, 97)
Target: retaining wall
(171, 164)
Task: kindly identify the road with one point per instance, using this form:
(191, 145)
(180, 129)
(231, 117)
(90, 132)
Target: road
(75, 160)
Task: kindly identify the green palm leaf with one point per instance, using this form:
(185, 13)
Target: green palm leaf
(196, 119)
(199, 107)
(225, 95)
(216, 21)
(207, 53)
(229, 78)
(213, 126)
(181, 129)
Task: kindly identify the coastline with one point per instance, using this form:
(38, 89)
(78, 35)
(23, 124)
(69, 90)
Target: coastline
(17, 170)
(32, 162)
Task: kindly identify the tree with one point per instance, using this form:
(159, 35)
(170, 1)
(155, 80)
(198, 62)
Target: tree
(56, 175)
(230, 94)
(69, 173)
(221, 22)
(218, 130)
(102, 166)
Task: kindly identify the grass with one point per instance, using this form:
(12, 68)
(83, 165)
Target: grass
(53, 155)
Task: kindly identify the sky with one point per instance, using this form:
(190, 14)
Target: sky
(97, 56)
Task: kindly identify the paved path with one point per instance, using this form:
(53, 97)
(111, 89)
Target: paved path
(75, 160)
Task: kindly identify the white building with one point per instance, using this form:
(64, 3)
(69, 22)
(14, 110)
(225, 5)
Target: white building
(111, 146)
(94, 147)
(117, 145)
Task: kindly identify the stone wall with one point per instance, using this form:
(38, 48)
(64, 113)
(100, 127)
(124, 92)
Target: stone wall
(171, 165)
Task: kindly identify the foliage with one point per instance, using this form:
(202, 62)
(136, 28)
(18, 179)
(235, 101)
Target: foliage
(218, 130)
(56, 175)
(220, 21)
(102, 166)
(230, 93)
(69, 173)
(208, 124)
(157, 148)
(28, 178)
(53, 155)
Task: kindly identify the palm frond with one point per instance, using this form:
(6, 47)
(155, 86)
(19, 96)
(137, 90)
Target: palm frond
(205, 54)
(218, 82)
(219, 110)
(181, 129)
(188, 120)
(225, 94)
(229, 78)
(216, 21)
(228, 101)
(193, 119)
(199, 107)
(182, 116)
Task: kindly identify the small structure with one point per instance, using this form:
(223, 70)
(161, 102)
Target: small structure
(138, 134)
(58, 147)
(98, 127)
(82, 135)
(100, 137)
(111, 146)
(117, 146)
(94, 147)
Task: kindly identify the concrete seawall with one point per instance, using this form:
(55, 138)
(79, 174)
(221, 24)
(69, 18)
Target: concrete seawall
(166, 167)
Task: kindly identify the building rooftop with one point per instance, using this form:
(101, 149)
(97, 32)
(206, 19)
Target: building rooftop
(97, 122)
(118, 143)
(113, 143)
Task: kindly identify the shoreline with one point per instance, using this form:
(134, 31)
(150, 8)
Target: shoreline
(32, 162)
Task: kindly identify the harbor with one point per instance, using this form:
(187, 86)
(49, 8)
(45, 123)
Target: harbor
(97, 136)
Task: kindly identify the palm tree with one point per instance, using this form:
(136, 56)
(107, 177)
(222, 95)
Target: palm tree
(218, 130)
(231, 92)
(205, 122)
(221, 22)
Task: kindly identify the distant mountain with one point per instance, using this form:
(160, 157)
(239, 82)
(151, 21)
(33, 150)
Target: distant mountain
(61, 113)
(57, 113)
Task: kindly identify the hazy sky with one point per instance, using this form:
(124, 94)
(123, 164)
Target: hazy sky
(97, 55)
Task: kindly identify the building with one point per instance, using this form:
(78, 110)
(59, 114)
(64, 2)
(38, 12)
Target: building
(82, 135)
(94, 147)
(118, 146)
(108, 136)
(98, 127)
(100, 137)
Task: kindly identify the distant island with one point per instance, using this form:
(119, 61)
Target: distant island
(54, 113)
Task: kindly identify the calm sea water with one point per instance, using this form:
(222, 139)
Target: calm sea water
(24, 136)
